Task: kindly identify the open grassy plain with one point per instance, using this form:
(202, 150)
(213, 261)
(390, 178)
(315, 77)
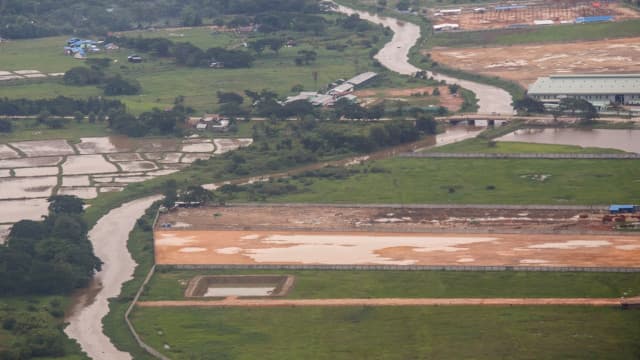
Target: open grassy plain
(515, 181)
(392, 332)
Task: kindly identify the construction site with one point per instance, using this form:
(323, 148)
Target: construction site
(525, 14)
(387, 235)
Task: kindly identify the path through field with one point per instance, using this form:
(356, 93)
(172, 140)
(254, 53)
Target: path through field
(395, 57)
(235, 302)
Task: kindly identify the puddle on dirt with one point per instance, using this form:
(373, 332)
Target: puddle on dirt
(350, 249)
(170, 158)
(226, 145)
(7, 153)
(106, 189)
(118, 143)
(82, 180)
(130, 166)
(198, 148)
(238, 291)
(87, 164)
(44, 147)
(572, 244)
(24, 188)
(124, 157)
(625, 140)
(81, 192)
(30, 162)
(16, 210)
(131, 179)
(36, 171)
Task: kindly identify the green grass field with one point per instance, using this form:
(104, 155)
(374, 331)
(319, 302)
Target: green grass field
(410, 181)
(312, 284)
(478, 145)
(392, 332)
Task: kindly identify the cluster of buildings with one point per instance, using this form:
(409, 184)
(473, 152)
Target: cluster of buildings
(78, 48)
(601, 90)
(340, 89)
(212, 122)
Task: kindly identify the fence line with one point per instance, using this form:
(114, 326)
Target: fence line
(519, 156)
(425, 206)
(397, 267)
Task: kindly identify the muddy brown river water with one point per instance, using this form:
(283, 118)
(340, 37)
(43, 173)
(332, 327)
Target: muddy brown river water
(625, 140)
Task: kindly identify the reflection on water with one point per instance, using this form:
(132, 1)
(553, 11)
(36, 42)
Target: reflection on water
(626, 140)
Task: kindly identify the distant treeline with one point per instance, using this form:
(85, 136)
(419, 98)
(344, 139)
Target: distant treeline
(21, 19)
(58, 106)
(185, 53)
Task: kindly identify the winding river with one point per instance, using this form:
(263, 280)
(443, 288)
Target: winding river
(110, 234)
(109, 238)
(395, 57)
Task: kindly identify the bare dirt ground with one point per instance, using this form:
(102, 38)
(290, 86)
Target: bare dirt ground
(492, 19)
(390, 236)
(234, 302)
(446, 99)
(400, 219)
(525, 63)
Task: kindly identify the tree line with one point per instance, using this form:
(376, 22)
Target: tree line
(21, 19)
(185, 53)
(58, 106)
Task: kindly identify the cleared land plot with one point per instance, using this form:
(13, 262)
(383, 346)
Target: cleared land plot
(21, 188)
(442, 181)
(384, 219)
(324, 284)
(375, 248)
(44, 147)
(421, 96)
(525, 63)
(399, 332)
(562, 11)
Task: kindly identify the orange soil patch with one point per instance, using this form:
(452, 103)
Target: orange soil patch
(501, 19)
(445, 99)
(525, 63)
(381, 248)
(235, 302)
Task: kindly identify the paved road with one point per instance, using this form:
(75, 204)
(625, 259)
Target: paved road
(235, 302)
(395, 57)
(109, 238)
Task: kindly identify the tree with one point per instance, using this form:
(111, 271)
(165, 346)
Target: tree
(195, 193)
(453, 88)
(436, 92)
(78, 116)
(119, 86)
(82, 75)
(6, 126)
(67, 204)
(305, 57)
(528, 105)
(585, 109)
(427, 125)
(170, 193)
(229, 97)
(403, 5)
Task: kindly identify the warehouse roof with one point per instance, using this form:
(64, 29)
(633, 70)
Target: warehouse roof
(364, 77)
(617, 84)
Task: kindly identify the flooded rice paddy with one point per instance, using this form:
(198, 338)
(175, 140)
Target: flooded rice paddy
(625, 140)
(392, 248)
(31, 171)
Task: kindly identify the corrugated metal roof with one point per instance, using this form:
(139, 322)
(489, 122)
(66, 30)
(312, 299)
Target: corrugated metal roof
(359, 79)
(615, 84)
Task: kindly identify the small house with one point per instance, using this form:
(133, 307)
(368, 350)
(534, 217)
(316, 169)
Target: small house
(623, 209)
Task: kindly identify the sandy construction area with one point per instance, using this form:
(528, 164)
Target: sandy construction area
(557, 12)
(525, 63)
(375, 248)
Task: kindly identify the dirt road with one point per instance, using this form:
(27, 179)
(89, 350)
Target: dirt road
(234, 302)
(109, 237)
(395, 57)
